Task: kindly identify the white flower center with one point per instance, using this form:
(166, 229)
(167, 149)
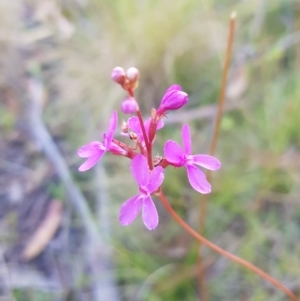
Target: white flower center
(189, 159)
(144, 189)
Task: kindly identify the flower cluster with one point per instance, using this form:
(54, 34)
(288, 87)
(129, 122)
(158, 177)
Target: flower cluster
(148, 172)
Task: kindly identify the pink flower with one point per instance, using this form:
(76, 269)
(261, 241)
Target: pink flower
(173, 99)
(148, 184)
(135, 126)
(178, 157)
(95, 149)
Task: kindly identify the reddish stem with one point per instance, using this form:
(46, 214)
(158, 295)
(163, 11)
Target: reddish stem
(148, 145)
(219, 250)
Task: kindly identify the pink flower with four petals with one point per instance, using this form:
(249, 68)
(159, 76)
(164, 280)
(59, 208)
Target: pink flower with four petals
(95, 149)
(148, 184)
(178, 157)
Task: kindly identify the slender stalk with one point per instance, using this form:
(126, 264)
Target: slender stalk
(224, 253)
(203, 203)
(148, 146)
(223, 83)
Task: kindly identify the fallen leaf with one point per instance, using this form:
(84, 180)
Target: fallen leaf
(45, 232)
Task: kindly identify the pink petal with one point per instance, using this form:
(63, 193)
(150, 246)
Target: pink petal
(197, 179)
(206, 161)
(174, 153)
(134, 124)
(186, 139)
(117, 150)
(147, 125)
(156, 179)
(140, 170)
(160, 124)
(91, 161)
(89, 149)
(130, 209)
(150, 216)
(174, 88)
(112, 127)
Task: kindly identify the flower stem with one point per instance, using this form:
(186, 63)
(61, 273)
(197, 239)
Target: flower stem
(148, 145)
(203, 203)
(219, 250)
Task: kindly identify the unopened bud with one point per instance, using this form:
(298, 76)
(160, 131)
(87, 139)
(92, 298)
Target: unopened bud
(125, 127)
(129, 106)
(118, 75)
(173, 99)
(153, 114)
(132, 74)
(152, 126)
(133, 136)
(157, 160)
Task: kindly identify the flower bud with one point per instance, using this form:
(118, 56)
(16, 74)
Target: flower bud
(157, 160)
(125, 127)
(132, 74)
(133, 136)
(173, 87)
(118, 75)
(152, 126)
(153, 114)
(173, 99)
(129, 106)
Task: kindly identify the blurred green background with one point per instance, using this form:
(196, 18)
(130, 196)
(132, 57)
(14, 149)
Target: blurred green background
(55, 63)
